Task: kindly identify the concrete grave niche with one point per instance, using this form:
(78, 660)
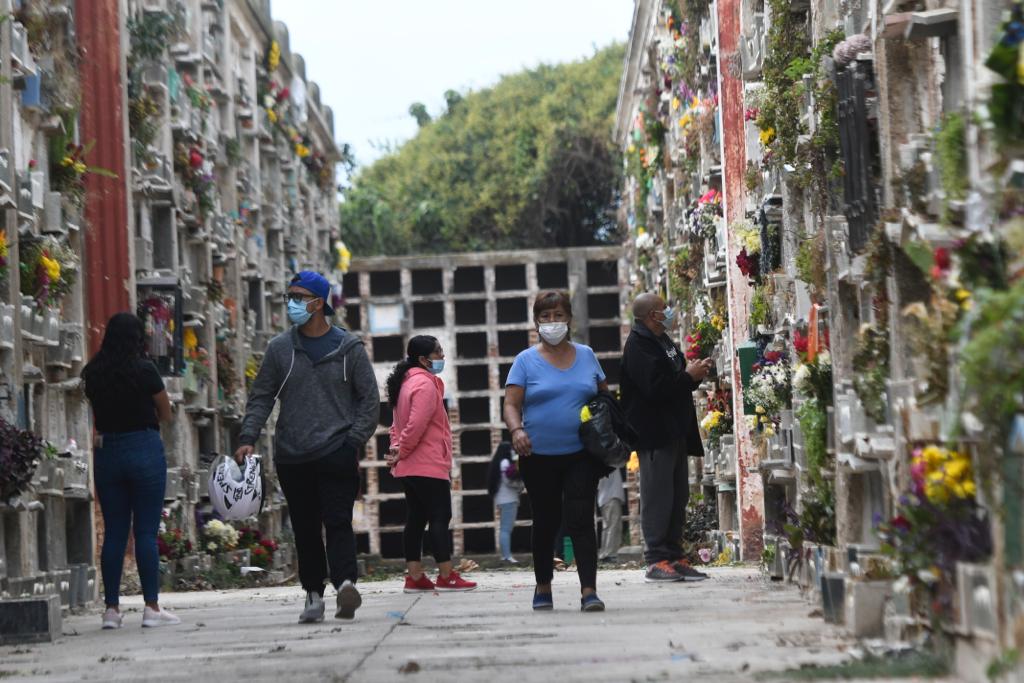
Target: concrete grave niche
(605, 338)
(503, 370)
(553, 275)
(602, 274)
(510, 277)
(511, 342)
(386, 414)
(475, 442)
(471, 312)
(388, 349)
(474, 410)
(350, 285)
(512, 311)
(603, 306)
(468, 280)
(427, 281)
(427, 314)
(473, 377)
(477, 509)
(353, 317)
(385, 283)
(612, 369)
(471, 345)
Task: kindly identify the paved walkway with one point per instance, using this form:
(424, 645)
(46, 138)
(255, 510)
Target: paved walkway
(725, 629)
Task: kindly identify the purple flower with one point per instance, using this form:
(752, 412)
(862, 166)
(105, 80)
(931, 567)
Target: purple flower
(704, 554)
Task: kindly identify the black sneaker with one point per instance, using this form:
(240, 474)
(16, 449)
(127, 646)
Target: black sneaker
(591, 603)
(662, 572)
(687, 572)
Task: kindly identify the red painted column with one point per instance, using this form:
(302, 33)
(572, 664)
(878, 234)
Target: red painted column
(749, 484)
(106, 269)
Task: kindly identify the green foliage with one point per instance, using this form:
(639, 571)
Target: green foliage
(814, 427)
(1004, 664)
(810, 264)
(526, 163)
(993, 365)
(760, 308)
(951, 150)
(913, 664)
(871, 363)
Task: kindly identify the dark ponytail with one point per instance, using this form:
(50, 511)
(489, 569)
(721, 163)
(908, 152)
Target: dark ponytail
(420, 345)
(502, 452)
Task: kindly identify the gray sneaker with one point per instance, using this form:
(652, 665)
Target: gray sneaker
(314, 610)
(662, 572)
(348, 601)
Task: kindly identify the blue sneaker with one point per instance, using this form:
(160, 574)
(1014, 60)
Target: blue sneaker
(542, 601)
(591, 603)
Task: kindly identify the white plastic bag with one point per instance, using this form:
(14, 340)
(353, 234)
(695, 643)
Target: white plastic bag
(236, 493)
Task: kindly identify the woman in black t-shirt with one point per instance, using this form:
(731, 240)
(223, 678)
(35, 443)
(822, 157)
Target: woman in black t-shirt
(128, 403)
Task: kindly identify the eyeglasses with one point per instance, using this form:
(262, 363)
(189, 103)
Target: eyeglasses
(299, 298)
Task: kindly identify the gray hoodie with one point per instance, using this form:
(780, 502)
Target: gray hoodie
(323, 406)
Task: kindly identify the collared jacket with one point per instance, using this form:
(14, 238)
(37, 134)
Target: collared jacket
(657, 393)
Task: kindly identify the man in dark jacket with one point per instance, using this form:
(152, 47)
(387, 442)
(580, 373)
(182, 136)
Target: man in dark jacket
(657, 395)
(329, 409)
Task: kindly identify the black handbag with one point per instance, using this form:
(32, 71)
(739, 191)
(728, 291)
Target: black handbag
(607, 435)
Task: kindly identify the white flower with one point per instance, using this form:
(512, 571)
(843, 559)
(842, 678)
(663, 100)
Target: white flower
(211, 546)
(824, 358)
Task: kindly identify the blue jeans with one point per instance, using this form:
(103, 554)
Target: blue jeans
(131, 478)
(508, 521)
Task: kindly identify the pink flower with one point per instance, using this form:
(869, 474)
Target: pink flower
(704, 554)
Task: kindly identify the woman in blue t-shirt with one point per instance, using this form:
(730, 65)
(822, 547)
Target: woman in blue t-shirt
(546, 388)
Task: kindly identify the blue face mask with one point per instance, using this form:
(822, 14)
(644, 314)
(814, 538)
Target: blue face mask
(297, 312)
(669, 315)
(436, 366)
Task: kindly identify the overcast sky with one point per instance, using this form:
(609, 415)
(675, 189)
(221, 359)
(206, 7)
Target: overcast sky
(373, 59)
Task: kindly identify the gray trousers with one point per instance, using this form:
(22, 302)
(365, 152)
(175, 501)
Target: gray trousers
(611, 529)
(664, 493)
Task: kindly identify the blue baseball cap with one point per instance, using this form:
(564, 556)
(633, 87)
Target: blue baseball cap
(316, 284)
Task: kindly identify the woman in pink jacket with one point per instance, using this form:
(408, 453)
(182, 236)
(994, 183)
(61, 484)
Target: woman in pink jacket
(421, 458)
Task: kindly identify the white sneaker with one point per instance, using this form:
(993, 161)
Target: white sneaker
(314, 610)
(152, 618)
(112, 618)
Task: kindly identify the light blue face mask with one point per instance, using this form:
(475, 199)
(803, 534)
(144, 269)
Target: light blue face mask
(436, 366)
(297, 312)
(669, 314)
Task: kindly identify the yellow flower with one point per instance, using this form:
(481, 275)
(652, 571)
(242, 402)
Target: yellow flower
(3, 244)
(67, 161)
(640, 230)
(634, 462)
(760, 410)
(718, 322)
(302, 150)
(189, 339)
(969, 488)
(80, 167)
(685, 121)
(957, 468)
(933, 456)
(274, 58)
(766, 136)
(676, 103)
(51, 267)
(272, 116)
(631, 149)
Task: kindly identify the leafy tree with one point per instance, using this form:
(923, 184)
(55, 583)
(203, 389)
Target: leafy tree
(527, 163)
(418, 111)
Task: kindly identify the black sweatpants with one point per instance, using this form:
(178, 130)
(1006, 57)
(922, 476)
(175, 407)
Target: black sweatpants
(320, 495)
(428, 501)
(664, 493)
(563, 489)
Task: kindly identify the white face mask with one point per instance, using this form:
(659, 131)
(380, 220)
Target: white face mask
(553, 333)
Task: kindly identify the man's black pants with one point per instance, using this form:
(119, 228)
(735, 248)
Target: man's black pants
(320, 496)
(664, 493)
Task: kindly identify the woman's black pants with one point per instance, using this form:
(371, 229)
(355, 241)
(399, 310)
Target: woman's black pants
(563, 489)
(428, 503)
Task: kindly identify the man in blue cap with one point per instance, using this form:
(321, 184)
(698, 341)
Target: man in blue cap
(329, 409)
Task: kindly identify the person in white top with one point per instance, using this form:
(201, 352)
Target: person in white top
(505, 486)
(610, 499)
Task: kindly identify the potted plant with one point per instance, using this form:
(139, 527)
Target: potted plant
(20, 452)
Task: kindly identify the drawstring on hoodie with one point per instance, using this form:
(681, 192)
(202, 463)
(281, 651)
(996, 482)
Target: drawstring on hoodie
(344, 367)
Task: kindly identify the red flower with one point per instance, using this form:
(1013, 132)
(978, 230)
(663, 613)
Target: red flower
(901, 523)
(195, 158)
(800, 341)
(942, 261)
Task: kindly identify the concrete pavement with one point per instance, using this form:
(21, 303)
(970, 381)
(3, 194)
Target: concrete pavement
(728, 628)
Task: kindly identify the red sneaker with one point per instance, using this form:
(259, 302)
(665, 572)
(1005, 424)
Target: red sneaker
(420, 585)
(454, 582)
